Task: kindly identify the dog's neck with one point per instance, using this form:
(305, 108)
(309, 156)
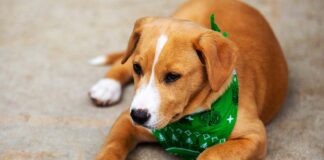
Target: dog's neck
(204, 98)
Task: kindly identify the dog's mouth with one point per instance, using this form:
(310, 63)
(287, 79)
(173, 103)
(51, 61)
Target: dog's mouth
(157, 125)
(175, 117)
(162, 122)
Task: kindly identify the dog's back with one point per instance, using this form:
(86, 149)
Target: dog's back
(261, 65)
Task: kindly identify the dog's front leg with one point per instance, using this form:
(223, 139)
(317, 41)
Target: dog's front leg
(108, 90)
(123, 137)
(248, 142)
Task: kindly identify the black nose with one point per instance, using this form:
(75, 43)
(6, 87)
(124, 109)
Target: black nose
(140, 116)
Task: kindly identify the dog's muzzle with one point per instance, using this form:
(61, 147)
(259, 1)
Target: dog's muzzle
(140, 116)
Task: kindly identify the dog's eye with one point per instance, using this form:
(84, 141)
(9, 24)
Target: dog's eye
(171, 77)
(137, 69)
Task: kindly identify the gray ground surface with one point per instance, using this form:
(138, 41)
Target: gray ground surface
(44, 47)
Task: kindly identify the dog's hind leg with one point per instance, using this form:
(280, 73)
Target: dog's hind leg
(107, 59)
(108, 90)
(123, 137)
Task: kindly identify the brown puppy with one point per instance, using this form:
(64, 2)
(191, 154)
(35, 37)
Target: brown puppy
(180, 67)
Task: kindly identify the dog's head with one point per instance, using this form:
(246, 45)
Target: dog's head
(173, 60)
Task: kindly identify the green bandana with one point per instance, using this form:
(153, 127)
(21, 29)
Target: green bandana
(192, 134)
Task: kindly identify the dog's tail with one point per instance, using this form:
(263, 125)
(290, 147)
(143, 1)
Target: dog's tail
(107, 59)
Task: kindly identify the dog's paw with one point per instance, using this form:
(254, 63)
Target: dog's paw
(105, 92)
(99, 61)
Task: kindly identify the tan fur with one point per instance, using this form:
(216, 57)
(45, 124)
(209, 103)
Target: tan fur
(251, 49)
(115, 57)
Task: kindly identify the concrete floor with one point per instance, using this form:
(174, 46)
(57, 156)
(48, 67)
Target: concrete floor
(44, 48)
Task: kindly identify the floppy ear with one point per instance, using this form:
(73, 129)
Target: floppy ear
(135, 36)
(219, 55)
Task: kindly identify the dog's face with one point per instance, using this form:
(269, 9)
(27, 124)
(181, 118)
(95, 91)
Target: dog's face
(172, 61)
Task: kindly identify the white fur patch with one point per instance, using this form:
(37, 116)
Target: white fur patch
(106, 91)
(147, 96)
(99, 60)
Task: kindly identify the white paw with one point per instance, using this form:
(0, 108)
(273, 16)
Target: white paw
(99, 61)
(105, 92)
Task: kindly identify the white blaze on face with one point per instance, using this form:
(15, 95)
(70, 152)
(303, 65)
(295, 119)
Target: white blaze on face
(147, 95)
